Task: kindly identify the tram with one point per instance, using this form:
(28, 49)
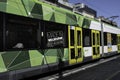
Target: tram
(35, 37)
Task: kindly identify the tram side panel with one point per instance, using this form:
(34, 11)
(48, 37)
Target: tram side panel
(110, 40)
(30, 45)
(49, 45)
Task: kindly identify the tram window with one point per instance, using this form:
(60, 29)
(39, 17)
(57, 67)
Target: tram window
(114, 39)
(55, 35)
(22, 33)
(1, 32)
(86, 37)
(105, 38)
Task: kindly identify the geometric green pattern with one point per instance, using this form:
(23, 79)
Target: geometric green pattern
(86, 23)
(35, 57)
(66, 55)
(39, 10)
(2, 65)
(14, 60)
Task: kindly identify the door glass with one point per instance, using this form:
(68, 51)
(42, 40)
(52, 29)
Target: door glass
(78, 38)
(118, 42)
(119, 39)
(98, 50)
(72, 37)
(72, 53)
(94, 52)
(93, 38)
(119, 47)
(98, 39)
(79, 52)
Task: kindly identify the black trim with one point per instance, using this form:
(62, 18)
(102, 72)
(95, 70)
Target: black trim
(4, 31)
(1, 32)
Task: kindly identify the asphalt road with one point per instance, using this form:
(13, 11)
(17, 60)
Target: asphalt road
(108, 69)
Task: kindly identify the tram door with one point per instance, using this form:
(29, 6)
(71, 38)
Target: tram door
(95, 44)
(118, 42)
(75, 45)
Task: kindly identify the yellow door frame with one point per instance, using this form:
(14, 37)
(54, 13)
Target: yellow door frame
(76, 47)
(95, 44)
(71, 61)
(79, 45)
(98, 43)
